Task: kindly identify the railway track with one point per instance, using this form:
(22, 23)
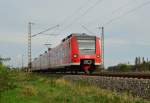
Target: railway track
(124, 75)
(137, 75)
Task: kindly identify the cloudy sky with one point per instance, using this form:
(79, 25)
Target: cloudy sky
(126, 23)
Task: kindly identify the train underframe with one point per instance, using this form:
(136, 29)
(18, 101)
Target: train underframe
(86, 65)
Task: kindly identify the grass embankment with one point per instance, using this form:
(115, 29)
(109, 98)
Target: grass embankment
(20, 87)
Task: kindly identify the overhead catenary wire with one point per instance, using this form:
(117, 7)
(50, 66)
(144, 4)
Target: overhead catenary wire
(122, 7)
(88, 10)
(71, 15)
(119, 9)
(86, 29)
(126, 13)
(75, 12)
(45, 30)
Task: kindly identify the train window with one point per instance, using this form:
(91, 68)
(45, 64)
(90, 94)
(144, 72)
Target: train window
(86, 45)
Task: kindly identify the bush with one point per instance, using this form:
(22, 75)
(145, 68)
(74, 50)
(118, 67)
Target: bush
(124, 67)
(29, 90)
(121, 68)
(6, 81)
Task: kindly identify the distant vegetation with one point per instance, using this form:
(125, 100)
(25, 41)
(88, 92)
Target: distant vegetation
(6, 80)
(22, 87)
(140, 66)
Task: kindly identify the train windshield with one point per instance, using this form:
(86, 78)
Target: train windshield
(86, 44)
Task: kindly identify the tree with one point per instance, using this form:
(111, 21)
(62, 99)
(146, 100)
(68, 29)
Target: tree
(136, 61)
(124, 67)
(0, 61)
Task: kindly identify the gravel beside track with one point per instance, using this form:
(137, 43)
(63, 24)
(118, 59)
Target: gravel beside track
(135, 86)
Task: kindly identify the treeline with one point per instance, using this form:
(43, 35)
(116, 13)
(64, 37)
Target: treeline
(141, 65)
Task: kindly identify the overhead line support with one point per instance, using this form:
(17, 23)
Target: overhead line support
(29, 48)
(102, 46)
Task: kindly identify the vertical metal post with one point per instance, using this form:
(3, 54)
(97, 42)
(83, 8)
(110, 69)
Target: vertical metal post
(29, 47)
(22, 62)
(102, 45)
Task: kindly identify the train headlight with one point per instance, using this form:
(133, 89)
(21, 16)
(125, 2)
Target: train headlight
(75, 55)
(98, 56)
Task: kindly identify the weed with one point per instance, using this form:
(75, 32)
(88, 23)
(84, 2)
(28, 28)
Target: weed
(29, 90)
(6, 82)
(34, 88)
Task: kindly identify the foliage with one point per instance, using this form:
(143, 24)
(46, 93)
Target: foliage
(124, 67)
(144, 67)
(121, 68)
(33, 88)
(6, 81)
(0, 61)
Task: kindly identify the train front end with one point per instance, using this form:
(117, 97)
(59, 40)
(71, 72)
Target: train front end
(86, 52)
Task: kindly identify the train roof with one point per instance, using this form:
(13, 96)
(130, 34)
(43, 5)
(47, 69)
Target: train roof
(77, 34)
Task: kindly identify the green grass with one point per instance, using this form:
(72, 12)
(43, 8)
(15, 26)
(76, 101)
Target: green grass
(32, 88)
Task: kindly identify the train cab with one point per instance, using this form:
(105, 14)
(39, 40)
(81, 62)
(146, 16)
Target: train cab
(85, 52)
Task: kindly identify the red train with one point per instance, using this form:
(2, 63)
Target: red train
(77, 52)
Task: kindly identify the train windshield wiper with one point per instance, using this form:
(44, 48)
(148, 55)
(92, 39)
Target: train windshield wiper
(87, 49)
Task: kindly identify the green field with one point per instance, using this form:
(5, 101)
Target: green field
(20, 87)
